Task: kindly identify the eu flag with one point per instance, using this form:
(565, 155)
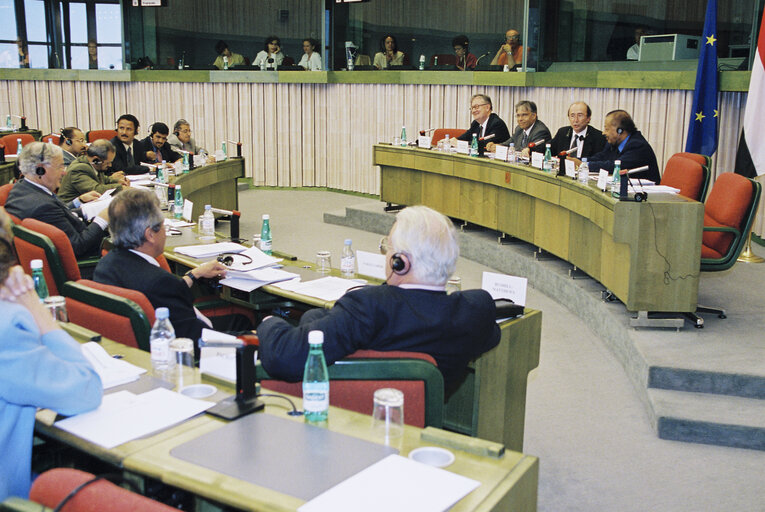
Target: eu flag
(702, 131)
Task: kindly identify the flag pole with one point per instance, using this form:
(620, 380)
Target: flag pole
(747, 256)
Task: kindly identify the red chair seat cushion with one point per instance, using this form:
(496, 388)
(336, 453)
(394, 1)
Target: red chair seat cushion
(727, 205)
(440, 133)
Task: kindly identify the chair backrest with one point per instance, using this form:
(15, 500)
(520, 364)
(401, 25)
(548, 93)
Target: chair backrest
(52, 486)
(728, 215)
(355, 379)
(120, 314)
(52, 138)
(696, 157)
(10, 141)
(688, 175)
(444, 59)
(288, 61)
(440, 133)
(62, 244)
(4, 191)
(363, 60)
(94, 135)
(32, 245)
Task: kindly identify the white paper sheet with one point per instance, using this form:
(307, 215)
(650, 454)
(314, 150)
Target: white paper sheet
(371, 264)
(93, 208)
(207, 250)
(259, 260)
(139, 177)
(407, 486)
(124, 416)
(113, 372)
(177, 223)
(253, 279)
(502, 286)
(326, 288)
(660, 188)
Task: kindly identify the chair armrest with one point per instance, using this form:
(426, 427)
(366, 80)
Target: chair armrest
(731, 248)
(14, 504)
(723, 229)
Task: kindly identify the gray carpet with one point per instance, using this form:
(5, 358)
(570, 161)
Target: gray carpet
(585, 421)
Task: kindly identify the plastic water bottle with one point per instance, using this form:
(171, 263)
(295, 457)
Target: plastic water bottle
(422, 63)
(265, 235)
(547, 163)
(474, 145)
(316, 381)
(616, 184)
(159, 340)
(447, 143)
(19, 147)
(350, 64)
(511, 156)
(435, 60)
(39, 279)
(225, 63)
(208, 223)
(584, 172)
(223, 148)
(403, 136)
(185, 162)
(348, 260)
(178, 209)
(8, 123)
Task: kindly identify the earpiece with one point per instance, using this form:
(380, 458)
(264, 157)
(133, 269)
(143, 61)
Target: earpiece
(67, 140)
(176, 133)
(40, 170)
(619, 131)
(227, 258)
(97, 161)
(399, 263)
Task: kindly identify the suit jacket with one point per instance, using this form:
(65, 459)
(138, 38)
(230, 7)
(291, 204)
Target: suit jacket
(81, 177)
(120, 157)
(593, 142)
(190, 146)
(128, 270)
(454, 329)
(494, 125)
(28, 200)
(538, 131)
(167, 153)
(636, 153)
(68, 157)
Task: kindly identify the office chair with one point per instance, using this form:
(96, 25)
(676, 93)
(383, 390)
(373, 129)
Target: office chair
(688, 175)
(10, 141)
(355, 379)
(4, 191)
(697, 157)
(94, 135)
(52, 138)
(440, 133)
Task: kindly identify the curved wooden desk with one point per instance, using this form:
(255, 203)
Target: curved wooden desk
(213, 184)
(647, 254)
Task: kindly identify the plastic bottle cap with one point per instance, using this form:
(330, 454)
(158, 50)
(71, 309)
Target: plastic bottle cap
(36, 264)
(266, 216)
(208, 207)
(177, 187)
(584, 159)
(617, 162)
(162, 313)
(348, 241)
(315, 337)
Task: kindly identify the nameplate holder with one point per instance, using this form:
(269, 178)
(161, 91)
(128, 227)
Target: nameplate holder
(603, 179)
(500, 152)
(503, 286)
(463, 147)
(188, 206)
(423, 141)
(570, 168)
(537, 159)
(371, 264)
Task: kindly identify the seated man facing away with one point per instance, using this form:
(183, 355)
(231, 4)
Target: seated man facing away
(138, 233)
(485, 123)
(412, 312)
(88, 173)
(627, 144)
(156, 148)
(181, 139)
(72, 142)
(42, 166)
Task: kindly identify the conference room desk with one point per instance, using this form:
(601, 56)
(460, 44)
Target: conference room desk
(508, 481)
(213, 184)
(37, 134)
(647, 254)
(490, 403)
(6, 171)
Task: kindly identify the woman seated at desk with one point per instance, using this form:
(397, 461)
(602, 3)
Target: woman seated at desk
(389, 56)
(311, 60)
(40, 366)
(271, 56)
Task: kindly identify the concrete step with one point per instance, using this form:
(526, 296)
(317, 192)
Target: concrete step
(707, 381)
(709, 419)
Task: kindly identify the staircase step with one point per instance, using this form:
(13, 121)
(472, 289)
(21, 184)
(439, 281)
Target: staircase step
(701, 381)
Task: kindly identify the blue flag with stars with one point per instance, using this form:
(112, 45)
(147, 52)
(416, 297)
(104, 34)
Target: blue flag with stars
(702, 131)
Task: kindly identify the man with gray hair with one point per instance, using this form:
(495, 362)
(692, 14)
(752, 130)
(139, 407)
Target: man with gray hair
(138, 233)
(412, 312)
(181, 139)
(42, 166)
(87, 173)
(486, 125)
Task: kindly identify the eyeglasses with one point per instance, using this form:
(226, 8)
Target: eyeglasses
(476, 107)
(577, 116)
(385, 246)
(81, 140)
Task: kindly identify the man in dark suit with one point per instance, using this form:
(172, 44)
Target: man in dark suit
(529, 129)
(72, 142)
(486, 124)
(627, 144)
(411, 313)
(138, 233)
(129, 152)
(42, 166)
(156, 147)
(587, 139)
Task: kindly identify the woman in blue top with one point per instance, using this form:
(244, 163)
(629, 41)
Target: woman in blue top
(40, 366)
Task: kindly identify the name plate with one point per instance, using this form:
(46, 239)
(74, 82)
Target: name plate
(188, 206)
(502, 286)
(603, 179)
(423, 141)
(371, 264)
(500, 152)
(463, 147)
(537, 159)
(570, 168)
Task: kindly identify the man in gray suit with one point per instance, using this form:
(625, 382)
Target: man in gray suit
(528, 130)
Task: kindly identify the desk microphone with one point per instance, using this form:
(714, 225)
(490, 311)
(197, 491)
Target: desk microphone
(636, 170)
(234, 219)
(481, 57)
(536, 143)
(488, 137)
(567, 152)
(425, 132)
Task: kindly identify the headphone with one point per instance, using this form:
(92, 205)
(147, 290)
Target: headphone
(227, 258)
(40, 170)
(619, 131)
(67, 140)
(399, 263)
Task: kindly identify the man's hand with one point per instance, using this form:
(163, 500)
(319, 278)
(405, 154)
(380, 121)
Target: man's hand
(19, 287)
(576, 161)
(208, 269)
(490, 147)
(151, 155)
(525, 152)
(118, 176)
(89, 196)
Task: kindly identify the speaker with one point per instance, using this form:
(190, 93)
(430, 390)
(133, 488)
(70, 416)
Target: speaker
(399, 263)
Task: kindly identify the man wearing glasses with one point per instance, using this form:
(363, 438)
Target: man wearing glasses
(510, 53)
(587, 139)
(412, 312)
(529, 130)
(486, 125)
(181, 139)
(72, 142)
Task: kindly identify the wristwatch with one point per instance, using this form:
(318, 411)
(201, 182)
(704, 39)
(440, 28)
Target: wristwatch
(190, 276)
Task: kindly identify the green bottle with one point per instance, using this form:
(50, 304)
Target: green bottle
(39, 279)
(616, 185)
(474, 145)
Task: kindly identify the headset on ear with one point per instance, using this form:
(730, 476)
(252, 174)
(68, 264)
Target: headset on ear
(40, 169)
(399, 263)
(97, 161)
(619, 131)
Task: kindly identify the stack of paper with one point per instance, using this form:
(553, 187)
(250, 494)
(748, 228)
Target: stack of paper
(258, 257)
(253, 279)
(113, 372)
(207, 250)
(326, 288)
(93, 208)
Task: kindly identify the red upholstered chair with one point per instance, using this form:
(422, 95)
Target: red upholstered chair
(355, 379)
(94, 135)
(52, 138)
(10, 141)
(440, 133)
(696, 157)
(51, 487)
(120, 314)
(288, 61)
(444, 59)
(4, 191)
(36, 240)
(690, 176)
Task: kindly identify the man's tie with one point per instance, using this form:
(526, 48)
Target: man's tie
(130, 160)
(575, 142)
(524, 140)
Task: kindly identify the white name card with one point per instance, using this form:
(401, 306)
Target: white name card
(371, 264)
(500, 152)
(537, 159)
(463, 147)
(502, 286)
(603, 179)
(187, 207)
(570, 168)
(423, 141)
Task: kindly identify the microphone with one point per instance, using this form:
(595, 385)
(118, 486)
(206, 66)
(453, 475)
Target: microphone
(425, 132)
(536, 143)
(238, 148)
(234, 226)
(625, 172)
(567, 152)
(481, 57)
(488, 137)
